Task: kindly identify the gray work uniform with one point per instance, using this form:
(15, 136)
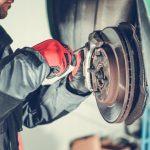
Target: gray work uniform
(23, 98)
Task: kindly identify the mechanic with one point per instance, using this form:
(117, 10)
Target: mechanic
(22, 74)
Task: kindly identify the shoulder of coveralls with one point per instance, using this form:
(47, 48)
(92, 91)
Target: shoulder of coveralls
(5, 39)
(33, 55)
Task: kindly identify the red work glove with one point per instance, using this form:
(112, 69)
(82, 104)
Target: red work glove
(59, 57)
(56, 56)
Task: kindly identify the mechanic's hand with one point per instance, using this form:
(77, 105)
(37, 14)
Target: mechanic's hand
(56, 55)
(76, 79)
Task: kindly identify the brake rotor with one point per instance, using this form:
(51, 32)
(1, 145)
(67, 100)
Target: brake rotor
(114, 66)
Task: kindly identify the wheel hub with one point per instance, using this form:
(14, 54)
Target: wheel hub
(115, 64)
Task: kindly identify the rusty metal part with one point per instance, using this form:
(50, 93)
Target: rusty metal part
(116, 73)
(141, 92)
(118, 81)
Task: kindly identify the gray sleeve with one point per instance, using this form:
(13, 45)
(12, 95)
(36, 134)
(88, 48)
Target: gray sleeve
(45, 107)
(58, 99)
(21, 75)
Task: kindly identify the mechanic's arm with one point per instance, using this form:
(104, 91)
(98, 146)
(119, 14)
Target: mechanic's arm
(50, 103)
(20, 76)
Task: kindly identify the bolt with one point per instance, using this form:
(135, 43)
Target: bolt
(98, 95)
(91, 70)
(100, 75)
(98, 53)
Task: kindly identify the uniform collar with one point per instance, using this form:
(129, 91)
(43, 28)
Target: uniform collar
(5, 39)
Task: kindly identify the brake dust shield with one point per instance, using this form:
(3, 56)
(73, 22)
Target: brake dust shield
(114, 71)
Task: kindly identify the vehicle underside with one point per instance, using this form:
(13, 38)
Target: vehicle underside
(114, 35)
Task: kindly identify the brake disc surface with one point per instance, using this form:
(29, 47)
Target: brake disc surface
(116, 73)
